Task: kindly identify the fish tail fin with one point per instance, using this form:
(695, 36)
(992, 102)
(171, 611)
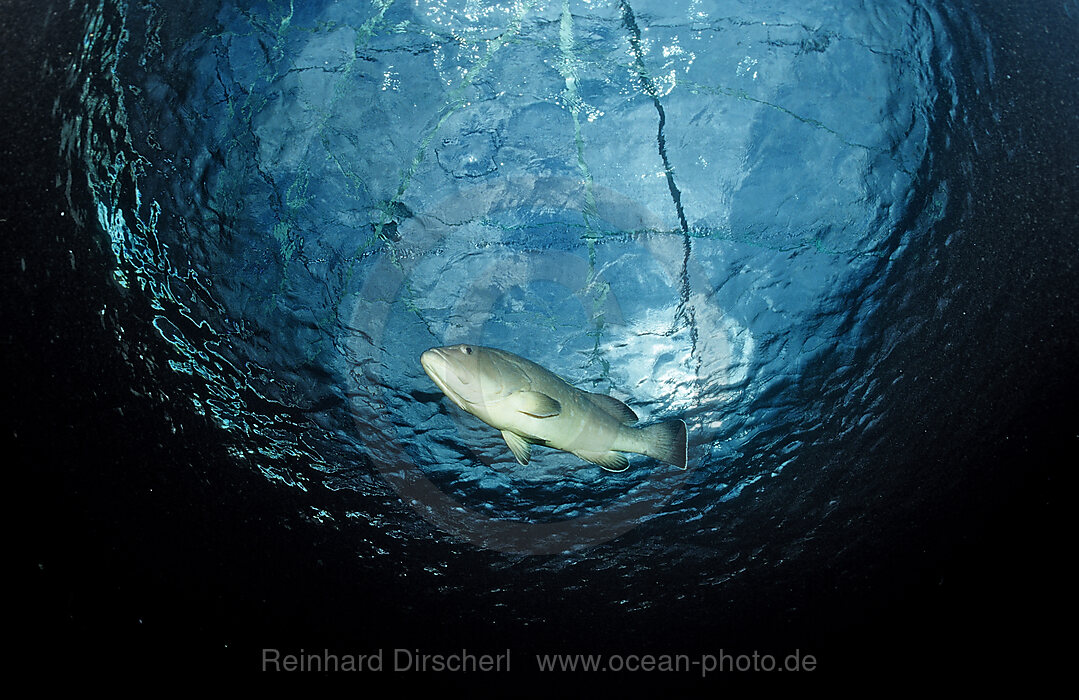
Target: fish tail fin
(667, 442)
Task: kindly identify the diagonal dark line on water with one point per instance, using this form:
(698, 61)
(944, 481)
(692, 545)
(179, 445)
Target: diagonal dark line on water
(686, 311)
(649, 88)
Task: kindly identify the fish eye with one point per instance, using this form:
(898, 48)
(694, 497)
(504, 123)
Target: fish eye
(467, 349)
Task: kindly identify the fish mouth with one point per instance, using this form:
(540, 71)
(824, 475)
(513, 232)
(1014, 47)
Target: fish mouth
(432, 361)
(435, 364)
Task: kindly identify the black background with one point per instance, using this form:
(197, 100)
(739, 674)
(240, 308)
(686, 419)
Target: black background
(136, 554)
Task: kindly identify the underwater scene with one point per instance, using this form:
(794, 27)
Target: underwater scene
(748, 333)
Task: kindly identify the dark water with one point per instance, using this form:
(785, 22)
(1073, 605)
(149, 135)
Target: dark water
(838, 241)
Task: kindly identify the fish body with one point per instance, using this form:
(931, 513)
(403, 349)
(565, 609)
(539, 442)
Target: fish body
(531, 405)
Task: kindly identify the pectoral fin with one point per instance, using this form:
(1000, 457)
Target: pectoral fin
(520, 447)
(535, 404)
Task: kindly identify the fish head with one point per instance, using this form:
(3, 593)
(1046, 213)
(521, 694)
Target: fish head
(473, 377)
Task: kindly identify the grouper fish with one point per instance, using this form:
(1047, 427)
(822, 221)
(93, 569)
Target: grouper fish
(532, 406)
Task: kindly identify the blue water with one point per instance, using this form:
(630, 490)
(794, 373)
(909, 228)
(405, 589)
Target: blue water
(728, 212)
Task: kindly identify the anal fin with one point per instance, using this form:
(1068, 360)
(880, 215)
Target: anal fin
(611, 461)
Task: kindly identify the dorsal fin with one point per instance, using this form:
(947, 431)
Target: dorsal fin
(611, 405)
